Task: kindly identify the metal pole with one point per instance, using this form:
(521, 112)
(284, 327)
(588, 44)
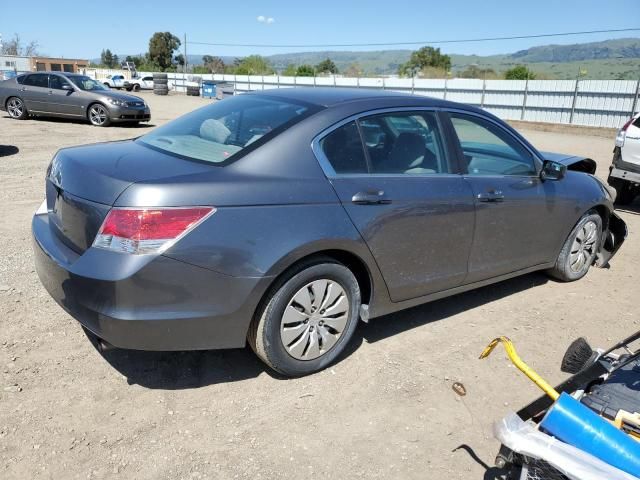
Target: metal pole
(446, 80)
(484, 87)
(524, 100)
(573, 104)
(185, 53)
(278, 81)
(635, 100)
(413, 84)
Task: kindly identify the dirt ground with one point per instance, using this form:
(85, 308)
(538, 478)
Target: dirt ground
(387, 410)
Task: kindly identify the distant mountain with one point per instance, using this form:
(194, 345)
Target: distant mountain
(609, 59)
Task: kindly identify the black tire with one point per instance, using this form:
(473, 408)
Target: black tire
(136, 87)
(92, 115)
(160, 76)
(626, 191)
(162, 81)
(566, 268)
(16, 108)
(264, 335)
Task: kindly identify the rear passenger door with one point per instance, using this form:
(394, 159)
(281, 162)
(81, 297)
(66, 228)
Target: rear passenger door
(35, 90)
(395, 179)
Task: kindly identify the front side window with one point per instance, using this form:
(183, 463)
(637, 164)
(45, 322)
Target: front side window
(86, 83)
(57, 82)
(404, 143)
(491, 150)
(217, 132)
(37, 80)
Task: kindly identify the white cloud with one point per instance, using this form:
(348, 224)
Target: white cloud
(267, 20)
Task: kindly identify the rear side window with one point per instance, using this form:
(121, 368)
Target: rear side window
(37, 80)
(404, 143)
(218, 132)
(343, 149)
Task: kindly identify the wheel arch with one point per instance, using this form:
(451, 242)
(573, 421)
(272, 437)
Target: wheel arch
(354, 262)
(91, 104)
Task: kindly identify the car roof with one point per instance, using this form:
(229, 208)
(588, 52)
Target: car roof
(331, 96)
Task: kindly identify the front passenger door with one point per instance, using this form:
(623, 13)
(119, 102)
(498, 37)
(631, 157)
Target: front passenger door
(514, 208)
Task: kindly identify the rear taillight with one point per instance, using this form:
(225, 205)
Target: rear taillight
(147, 230)
(622, 133)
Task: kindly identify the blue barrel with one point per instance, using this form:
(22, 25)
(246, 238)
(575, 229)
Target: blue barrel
(575, 424)
(208, 89)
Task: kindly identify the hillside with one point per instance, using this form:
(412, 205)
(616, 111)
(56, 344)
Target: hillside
(609, 59)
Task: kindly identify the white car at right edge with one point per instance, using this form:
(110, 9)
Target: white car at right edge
(624, 173)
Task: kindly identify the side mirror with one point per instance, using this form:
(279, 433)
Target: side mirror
(66, 86)
(552, 170)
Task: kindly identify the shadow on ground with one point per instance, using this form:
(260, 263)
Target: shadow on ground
(8, 150)
(132, 125)
(183, 370)
(490, 473)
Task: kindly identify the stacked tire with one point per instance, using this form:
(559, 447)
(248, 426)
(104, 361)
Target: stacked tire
(160, 84)
(193, 90)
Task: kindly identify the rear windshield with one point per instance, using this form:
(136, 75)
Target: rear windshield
(219, 132)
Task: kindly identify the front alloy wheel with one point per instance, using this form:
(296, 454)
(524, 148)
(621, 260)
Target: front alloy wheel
(98, 115)
(16, 108)
(307, 318)
(580, 249)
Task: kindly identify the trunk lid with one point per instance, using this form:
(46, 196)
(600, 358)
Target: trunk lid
(84, 182)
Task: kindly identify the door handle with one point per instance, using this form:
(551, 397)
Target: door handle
(493, 196)
(370, 198)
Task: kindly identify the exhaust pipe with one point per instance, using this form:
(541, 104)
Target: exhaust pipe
(104, 346)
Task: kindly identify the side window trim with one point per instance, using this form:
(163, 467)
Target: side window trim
(458, 145)
(328, 170)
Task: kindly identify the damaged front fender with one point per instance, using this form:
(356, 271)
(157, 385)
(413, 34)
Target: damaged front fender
(614, 237)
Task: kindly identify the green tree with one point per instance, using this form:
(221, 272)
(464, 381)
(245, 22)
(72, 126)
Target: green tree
(253, 65)
(353, 70)
(290, 71)
(519, 72)
(473, 71)
(106, 58)
(305, 71)
(115, 62)
(326, 66)
(161, 48)
(424, 58)
(179, 59)
(213, 64)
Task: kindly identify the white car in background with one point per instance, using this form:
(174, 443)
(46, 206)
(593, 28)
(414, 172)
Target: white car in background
(114, 81)
(139, 83)
(624, 173)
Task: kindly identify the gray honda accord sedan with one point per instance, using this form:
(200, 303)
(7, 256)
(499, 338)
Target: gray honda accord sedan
(56, 94)
(281, 218)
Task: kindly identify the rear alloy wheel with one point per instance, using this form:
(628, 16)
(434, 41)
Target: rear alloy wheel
(136, 87)
(579, 250)
(308, 319)
(98, 115)
(16, 108)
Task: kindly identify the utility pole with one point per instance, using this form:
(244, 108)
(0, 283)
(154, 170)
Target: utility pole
(186, 63)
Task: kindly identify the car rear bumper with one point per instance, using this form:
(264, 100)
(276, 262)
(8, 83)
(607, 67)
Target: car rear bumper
(624, 170)
(153, 303)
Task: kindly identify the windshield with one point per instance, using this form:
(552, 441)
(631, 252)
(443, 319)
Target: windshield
(86, 83)
(217, 132)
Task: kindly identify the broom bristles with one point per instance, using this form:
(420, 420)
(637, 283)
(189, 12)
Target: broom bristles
(578, 356)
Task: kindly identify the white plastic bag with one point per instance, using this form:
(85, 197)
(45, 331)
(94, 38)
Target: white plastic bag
(525, 439)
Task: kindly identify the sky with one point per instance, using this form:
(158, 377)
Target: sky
(75, 29)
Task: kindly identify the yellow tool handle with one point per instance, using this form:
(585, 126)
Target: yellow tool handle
(520, 365)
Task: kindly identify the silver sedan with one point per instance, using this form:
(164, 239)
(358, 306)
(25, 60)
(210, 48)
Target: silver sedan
(69, 95)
